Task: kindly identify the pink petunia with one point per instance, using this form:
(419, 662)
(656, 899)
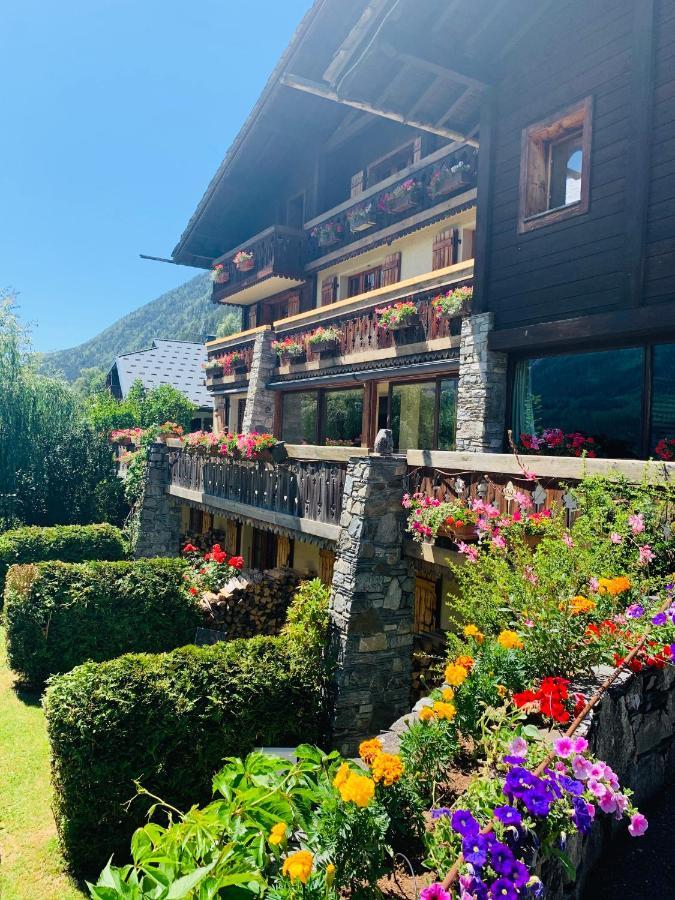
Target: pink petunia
(638, 825)
(564, 747)
(646, 554)
(615, 537)
(637, 523)
(568, 540)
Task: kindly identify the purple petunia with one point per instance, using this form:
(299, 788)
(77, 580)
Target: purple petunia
(501, 858)
(464, 823)
(581, 816)
(514, 760)
(635, 611)
(659, 619)
(571, 785)
(440, 812)
(475, 849)
(507, 815)
(503, 888)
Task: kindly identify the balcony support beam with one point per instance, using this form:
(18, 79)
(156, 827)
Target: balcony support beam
(318, 90)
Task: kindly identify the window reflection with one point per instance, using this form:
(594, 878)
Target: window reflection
(663, 394)
(343, 417)
(299, 418)
(412, 415)
(447, 413)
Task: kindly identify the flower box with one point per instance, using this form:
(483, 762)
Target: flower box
(448, 182)
(361, 218)
(214, 371)
(246, 265)
(326, 348)
(219, 274)
(404, 196)
(244, 260)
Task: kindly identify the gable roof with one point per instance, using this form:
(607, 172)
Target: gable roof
(178, 363)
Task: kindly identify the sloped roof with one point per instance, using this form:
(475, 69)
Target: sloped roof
(178, 363)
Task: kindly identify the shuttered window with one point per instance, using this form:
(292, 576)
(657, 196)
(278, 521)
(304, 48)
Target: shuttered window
(253, 316)
(391, 270)
(293, 304)
(329, 290)
(445, 249)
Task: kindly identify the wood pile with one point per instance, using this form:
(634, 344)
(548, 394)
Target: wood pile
(251, 604)
(427, 662)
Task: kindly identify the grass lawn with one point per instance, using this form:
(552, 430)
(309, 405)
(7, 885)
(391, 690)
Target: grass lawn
(31, 866)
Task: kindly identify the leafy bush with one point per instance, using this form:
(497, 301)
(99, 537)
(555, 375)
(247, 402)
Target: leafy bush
(59, 615)
(68, 543)
(168, 721)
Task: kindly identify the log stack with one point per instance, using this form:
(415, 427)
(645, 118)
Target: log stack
(251, 604)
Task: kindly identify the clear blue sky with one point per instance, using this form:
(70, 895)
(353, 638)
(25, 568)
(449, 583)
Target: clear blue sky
(115, 115)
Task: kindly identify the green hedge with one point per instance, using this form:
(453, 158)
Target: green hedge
(68, 543)
(167, 721)
(59, 615)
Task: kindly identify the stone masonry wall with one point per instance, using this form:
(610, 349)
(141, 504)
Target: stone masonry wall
(371, 603)
(259, 412)
(481, 394)
(159, 523)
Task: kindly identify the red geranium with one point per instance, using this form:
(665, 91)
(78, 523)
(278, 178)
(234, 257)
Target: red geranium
(237, 562)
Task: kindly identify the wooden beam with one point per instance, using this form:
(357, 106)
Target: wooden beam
(488, 118)
(319, 90)
(452, 109)
(483, 23)
(463, 70)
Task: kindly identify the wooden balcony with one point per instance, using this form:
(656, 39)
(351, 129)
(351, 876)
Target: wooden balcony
(375, 212)
(218, 373)
(276, 264)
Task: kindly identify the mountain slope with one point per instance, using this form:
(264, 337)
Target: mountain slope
(183, 314)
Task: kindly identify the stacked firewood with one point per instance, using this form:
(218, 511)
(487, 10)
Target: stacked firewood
(427, 662)
(251, 604)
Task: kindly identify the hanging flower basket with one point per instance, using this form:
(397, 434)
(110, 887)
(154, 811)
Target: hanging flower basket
(219, 274)
(453, 303)
(399, 317)
(361, 218)
(449, 179)
(327, 234)
(244, 260)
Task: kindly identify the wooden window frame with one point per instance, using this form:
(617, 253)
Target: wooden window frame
(436, 379)
(361, 276)
(536, 141)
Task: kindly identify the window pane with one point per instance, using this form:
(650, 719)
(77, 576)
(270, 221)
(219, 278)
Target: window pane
(566, 164)
(447, 414)
(298, 424)
(663, 394)
(412, 415)
(344, 415)
(598, 394)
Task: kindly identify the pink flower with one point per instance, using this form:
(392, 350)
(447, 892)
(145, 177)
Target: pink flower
(580, 744)
(518, 747)
(638, 825)
(529, 476)
(470, 552)
(595, 787)
(406, 502)
(564, 747)
(498, 542)
(434, 892)
(607, 803)
(637, 523)
(522, 499)
(597, 770)
(531, 575)
(568, 540)
(646, 554)
(621, 804)
(593, 584)
(615, 537)
(528, 623)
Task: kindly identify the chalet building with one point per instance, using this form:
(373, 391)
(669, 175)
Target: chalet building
(402, 151)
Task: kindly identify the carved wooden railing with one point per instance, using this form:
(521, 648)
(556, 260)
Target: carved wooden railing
(333, 230)
(302, 489)
(216, 377)
(276, 251)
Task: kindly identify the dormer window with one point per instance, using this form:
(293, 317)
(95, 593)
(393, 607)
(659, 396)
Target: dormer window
(554, 168)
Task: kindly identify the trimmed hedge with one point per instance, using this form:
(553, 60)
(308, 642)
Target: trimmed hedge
(68, 543)
(59, 615)
(167, 721)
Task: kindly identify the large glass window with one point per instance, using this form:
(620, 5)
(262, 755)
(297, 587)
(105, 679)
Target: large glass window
(343, 418)
(412, 415)
(299, 418)
(663, 394)
(447, 413)
(598, 394)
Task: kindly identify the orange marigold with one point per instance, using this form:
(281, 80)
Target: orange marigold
(369, 750)
(342, 775)
(427, 714)
(510, 640)
(455, 675)
(298, 866)
(471, 631)
(446, 711)
(466, 661)
(387, 768)
(580, 605)
(448, 695)
(613, 586)
(357, 789)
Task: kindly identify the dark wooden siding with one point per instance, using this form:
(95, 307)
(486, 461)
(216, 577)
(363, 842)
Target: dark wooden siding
(578, 266)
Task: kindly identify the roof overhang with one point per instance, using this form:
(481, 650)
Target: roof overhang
(260, 290)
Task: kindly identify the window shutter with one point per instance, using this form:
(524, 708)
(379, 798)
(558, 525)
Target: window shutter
(391, 270)
(417, 149)
(357, 184)
(445, 249)
(294, 304)
(329, 290)
(253, 316)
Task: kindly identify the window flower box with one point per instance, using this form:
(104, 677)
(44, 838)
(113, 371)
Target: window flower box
(404, 196)
(219, 274)
(453, 303)
(327, 234)
(361, 218)
(289, 350)
(449, 179)
(244, 260)
(213, 368)
(398, 317)
(233, 363)
(325, 341)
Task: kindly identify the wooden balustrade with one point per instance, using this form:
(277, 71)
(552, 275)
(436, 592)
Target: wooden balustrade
(303, 489)
(276, 251)
(217, 377)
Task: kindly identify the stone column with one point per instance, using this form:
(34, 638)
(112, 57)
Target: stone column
(259, 412)
(158, 528)
(481, 395)
(371, 604)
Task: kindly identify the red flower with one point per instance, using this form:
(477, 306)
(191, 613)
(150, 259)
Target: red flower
(190, 548)
(193, 591)
(579, 703)
(524, 698)
(237, 562)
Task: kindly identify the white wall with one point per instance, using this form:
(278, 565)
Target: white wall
(306, 558)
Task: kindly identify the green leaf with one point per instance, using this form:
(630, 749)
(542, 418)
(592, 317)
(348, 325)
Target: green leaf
(183, 886)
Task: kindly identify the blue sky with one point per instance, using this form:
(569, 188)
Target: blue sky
(115, 115)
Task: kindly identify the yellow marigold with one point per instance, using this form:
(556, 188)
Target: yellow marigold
(466, 661)
(448, 695)
(342, 775)
(445, 710)
(387, 768)
(613, 586)
(455, 675)
(368, 750)
(501, 690)
(330, 874)
(277, 834)
(510, 640)
(471, 631)
(298, 866)
(579, 605)
(357, 789)
(426, 714)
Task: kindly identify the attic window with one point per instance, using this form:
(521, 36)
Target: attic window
(554, 167)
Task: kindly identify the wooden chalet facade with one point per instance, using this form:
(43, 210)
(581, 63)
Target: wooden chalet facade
(402, 150)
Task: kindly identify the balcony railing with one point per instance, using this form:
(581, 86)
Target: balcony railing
(277, 251)
(300, 489)
(419, 188)
(221, 370)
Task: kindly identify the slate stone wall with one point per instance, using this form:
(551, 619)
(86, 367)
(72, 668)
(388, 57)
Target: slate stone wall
(259, 412)
(481, 393)
(159, 524)
(371, 603)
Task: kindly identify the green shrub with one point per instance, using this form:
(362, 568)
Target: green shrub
(59, 615)
(168, 721)
(68, 543)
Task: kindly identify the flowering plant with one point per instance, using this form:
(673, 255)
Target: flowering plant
(230, 361)
(665, 449)
(396, 316)
(243, 259)
(327, 233)
(428, 515)
(219, 274)
(212, 366)
(441, 175)
(453, 302)
(361, 217)
(325, 336)
(390, 200)
(210, 571)
(289, 347)
(555, 442)
(201, 441)
(126, 435)
(170, 429)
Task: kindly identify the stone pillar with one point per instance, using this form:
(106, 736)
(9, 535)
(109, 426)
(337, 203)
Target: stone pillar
(481, 395)
(158, 524)
(371, 604)
(259, 412)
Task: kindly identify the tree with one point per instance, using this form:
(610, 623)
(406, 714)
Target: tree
(90, 381)
(229, 324)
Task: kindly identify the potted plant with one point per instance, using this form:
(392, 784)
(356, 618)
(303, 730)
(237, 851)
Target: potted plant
(361, 218)
(168, 430)
(327, 234)
(397, 317)
(288, 349)
(453, 303)
(449, 178)
(219, 274)
(244, 260)
(325, 341)
(429, 518)
(233, 363)
(201, 442)
(213, 368)
(403, 196)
